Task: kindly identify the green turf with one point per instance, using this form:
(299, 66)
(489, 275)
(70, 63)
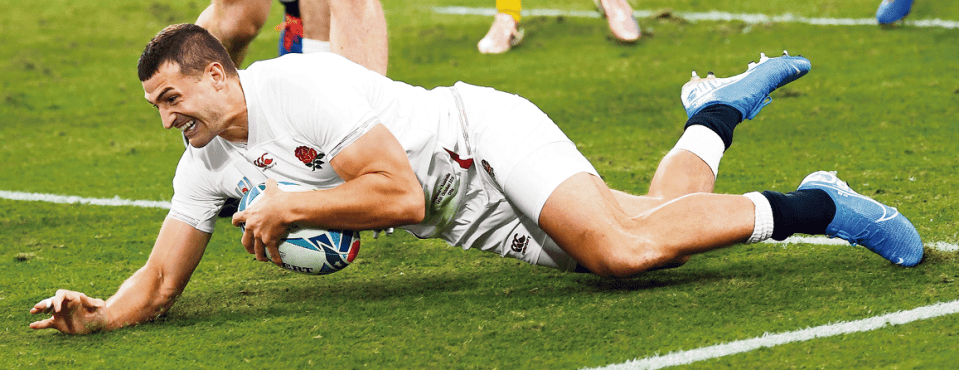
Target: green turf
(879, 106)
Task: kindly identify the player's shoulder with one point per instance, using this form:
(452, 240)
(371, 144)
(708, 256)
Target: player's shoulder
(295, 66)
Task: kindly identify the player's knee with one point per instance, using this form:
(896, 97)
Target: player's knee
(631, 260)
(240, 21)
(239, 31)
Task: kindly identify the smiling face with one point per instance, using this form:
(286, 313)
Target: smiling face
(199, 106)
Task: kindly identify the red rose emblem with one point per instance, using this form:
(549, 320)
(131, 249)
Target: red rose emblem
(305, 154)
(309, 156)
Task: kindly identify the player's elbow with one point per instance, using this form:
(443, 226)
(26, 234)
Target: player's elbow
(410, 209)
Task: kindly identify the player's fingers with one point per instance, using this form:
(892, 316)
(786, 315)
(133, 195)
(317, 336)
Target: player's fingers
(42, 324)
(275, 253)
(87, 301)
(248, 241)
(44, 306)
(271, 185)
(58, 300)
(259, 250)
(239, 218)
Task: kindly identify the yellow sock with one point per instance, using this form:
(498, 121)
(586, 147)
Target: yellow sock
(511, 7)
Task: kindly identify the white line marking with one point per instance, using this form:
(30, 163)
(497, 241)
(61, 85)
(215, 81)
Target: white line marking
(771, 340)
(69, 199)
(751, 18)
(945, 247)
(818, 240)
(823, 240)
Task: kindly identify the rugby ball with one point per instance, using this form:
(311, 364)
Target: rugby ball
(309, 250)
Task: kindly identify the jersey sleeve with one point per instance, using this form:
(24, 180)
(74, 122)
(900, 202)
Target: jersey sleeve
(198, 192)
(325, 98)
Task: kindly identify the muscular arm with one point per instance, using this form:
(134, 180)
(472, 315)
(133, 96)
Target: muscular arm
(381, 191)
(142, 297)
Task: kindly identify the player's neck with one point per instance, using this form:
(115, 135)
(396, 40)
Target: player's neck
(237, 130)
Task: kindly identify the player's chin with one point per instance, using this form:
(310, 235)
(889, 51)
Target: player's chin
(199, 142)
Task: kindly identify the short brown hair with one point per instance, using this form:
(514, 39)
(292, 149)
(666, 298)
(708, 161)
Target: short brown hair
(187, 45)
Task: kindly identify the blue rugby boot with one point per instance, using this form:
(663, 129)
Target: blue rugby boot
(748, 92)
(864, 221)
(891, 11)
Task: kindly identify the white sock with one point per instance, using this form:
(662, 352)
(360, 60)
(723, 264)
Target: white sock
(763, 226)
(315, 46)
(705, 144)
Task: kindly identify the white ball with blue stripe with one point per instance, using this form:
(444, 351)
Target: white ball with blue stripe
(310, 250)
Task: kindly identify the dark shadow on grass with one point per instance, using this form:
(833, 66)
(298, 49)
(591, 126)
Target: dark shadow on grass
(492, 285)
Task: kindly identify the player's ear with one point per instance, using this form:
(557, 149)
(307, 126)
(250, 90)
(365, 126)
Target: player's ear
(217, 73)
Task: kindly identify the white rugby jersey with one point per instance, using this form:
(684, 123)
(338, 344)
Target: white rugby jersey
(303, 109)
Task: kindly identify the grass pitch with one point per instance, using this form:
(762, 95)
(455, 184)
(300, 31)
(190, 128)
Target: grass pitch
(879, 107)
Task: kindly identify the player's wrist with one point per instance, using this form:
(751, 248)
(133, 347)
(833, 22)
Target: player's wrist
(290, 208)
(103, 319)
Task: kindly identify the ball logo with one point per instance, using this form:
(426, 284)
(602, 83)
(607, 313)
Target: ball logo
(243, 186)
(310, 157)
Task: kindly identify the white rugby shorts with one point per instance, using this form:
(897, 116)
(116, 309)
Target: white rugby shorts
(526, 156)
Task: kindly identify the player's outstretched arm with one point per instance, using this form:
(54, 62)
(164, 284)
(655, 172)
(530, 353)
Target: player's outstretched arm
(143, 297)
(381, 191)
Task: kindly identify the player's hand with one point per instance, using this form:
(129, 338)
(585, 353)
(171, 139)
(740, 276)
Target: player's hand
(264, 227)
(73, 313)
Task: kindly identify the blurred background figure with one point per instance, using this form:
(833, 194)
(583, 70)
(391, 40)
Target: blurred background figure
(891, 11)
(506, 31)
(355, 29)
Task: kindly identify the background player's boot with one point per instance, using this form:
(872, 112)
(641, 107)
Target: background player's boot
(504, 34)
(749, 91)
(620, 17)
(893, 10)
(864, 221)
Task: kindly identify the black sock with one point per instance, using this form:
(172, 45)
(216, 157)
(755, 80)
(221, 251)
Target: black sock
(720, 118)
(806, 211)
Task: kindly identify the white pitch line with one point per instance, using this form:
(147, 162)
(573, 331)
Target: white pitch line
(751, 18)
(824, 240)
(771, 340)
(70, 199)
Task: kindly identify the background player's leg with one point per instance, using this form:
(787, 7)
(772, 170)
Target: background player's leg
(316, 19)
(235, 23)
(358, 32)
(505, 31)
